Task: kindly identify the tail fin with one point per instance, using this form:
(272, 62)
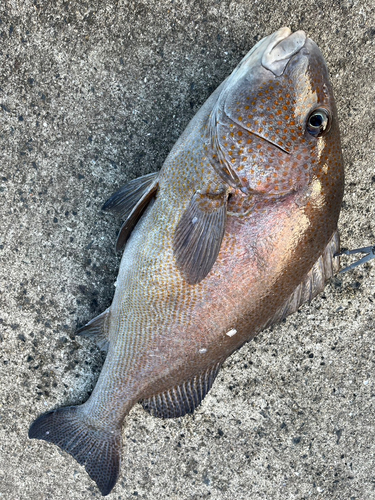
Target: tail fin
(97, 449)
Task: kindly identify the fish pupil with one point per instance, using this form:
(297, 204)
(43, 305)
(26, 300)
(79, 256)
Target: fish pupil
(318, 122)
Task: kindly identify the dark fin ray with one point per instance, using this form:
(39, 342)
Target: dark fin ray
(97, 330)
(323, 269)
(134, 215)
(130, 201)
(97, 449)
(181, 399)
(199, 234)
(124, 200)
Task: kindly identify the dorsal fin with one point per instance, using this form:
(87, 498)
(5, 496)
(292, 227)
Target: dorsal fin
(130, 201)
(97, 329)
(182, 399)
(323, 269)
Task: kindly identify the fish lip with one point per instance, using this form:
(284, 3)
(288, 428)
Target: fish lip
(283, 45)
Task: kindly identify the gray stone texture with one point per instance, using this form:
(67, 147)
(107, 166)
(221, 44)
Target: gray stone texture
(92, 94)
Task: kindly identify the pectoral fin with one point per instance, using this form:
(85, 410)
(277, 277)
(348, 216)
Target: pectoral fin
(199, 234)
(130, 201)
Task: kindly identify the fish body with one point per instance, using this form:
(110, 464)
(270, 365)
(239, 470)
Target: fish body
(236, 231)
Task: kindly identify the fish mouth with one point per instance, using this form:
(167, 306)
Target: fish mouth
(273, 53)
(283, 45)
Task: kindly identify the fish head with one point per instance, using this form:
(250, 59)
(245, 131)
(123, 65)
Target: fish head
(273, 129)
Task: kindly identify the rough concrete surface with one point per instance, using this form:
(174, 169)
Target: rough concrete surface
(92, 94)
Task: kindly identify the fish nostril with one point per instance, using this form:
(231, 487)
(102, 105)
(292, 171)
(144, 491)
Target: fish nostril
(278, 53)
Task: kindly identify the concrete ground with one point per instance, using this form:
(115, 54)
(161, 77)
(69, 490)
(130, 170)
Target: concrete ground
(93, 93)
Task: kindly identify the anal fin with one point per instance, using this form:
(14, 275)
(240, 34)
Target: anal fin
(130, 201)
(97, 329)
(182, 399)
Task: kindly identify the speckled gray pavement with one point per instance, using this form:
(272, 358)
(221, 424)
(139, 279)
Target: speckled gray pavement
(93, 94)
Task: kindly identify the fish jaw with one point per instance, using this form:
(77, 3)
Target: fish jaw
(273, 53)
(283, 44)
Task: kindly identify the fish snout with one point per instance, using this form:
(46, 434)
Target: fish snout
(282, 46)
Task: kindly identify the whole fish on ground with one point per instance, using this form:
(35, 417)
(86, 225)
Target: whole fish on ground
(237, 230)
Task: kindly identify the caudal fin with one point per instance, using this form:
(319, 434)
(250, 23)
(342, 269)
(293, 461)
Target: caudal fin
(98, 450)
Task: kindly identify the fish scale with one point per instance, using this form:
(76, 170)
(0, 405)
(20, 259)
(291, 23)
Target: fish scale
(237, 230)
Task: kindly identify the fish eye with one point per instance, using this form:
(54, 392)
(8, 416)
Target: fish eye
(319, 122)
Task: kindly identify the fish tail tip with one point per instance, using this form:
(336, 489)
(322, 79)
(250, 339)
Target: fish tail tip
(96, 449)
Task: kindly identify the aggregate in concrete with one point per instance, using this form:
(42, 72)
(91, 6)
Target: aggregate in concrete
(93, 94)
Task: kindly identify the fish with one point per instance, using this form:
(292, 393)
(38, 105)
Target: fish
(233, 234)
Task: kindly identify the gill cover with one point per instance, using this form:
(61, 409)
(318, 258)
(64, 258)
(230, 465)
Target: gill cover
(258, 136)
